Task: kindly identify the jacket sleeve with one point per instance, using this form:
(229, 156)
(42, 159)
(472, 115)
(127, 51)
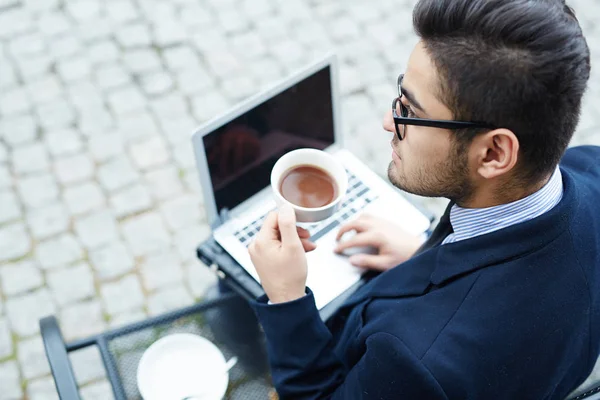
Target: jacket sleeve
(304, 365)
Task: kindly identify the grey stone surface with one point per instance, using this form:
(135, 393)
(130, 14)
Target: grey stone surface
(59, 252)
(111, 261)
(20, 277)
(30, 158)
(10, 381)
(101, 52)
(42, 389)
(164, 183)
(63, 142)
(17, 130)
(106, 146)
(73, 169)
(97, 391)
(56, 114)
(24, 311)
(96, 229)
(182, 212)
(123, 295)
(14, 241)
(6, 344)
(32, 358)
(146, 234)
(37, 190)
(198, 278)
(6, 179)
(117, 174)
(169, 299)
(10, 209)
(87, 365)
(159, 270)
(82, 319)
(130, 201)
(111, 76)
(157, 83)
(48, 220)
(71, 284)
(83, 198)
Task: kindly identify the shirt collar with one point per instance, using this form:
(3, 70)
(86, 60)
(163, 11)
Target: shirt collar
(470, 222)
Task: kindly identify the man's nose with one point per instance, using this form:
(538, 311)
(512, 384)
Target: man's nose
(388, 122)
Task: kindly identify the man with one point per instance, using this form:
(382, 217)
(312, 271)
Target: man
(503, 301)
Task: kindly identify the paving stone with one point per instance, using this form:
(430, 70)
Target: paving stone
(71, 284)
(24, 312)
(128, 317)
(160, 270)
(146, 234)
(169, 33)
(178, 130)
(87, 364)
(48, 220)
(250, 45)
(117, 174)
(170, 106)
(96, 229)
(130, 201)
(199, 278)
(45, 89)
(57, 114)
(34, 66)
(83, 198)
(73, 169)
(122, 11)
(149, 153)
(126, 100)
(266, 70)
(30, 158)
(14, 101)
(20, 277)
(53, 23)
(97, 391)
(194, 81)
(157, 83)
(184, 156)
(105, 147)
(141, 61)
(169, 299)
(32, 358)
(37, 190)
(10, 381)
(83, 11)
(59, 252)
(195, 16)
(14, 241)
(123, 295)
(164, 183)
(62, 47)
(37, 6)
(239, 87)
(103, 52)
(14, 22)
(187, 240)
(63, 142)
(9, 207)
(111, 261)
(6, 344)
(181, 212)
(82, 319)
(86, 96)
(8, 75)
(42, 389)
(134, 35)
(73, 69)
(192, 182)
(208, 41)
(110, 76)
(180, 57)
(96, 123)
(3, 156)
(97, 29)
(208, 105)
(223, 63)
(25, 45)
(135, 126)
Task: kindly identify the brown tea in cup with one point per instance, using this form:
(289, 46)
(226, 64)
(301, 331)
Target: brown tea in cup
(308, 186)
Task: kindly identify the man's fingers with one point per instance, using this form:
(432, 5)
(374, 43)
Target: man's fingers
(269, 229)
(358, 225)
(370, 261)
(287, 225)
(303, 233)
(308, 245)
(370, 239)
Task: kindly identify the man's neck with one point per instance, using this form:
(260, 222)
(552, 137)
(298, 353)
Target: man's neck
(495, 195)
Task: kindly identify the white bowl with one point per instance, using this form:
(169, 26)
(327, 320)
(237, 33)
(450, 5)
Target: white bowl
(319, 159)
(181, 365)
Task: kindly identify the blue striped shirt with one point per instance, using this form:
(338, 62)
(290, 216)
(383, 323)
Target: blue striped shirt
(470, 222)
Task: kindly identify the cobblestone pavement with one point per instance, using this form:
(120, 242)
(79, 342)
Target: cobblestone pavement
(99, 199)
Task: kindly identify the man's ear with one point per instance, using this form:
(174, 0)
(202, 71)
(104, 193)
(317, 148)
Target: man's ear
(495, 153)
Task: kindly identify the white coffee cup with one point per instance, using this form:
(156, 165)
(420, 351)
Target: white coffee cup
(319, 159)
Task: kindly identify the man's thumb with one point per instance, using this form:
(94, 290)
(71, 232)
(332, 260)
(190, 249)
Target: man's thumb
(287, 225)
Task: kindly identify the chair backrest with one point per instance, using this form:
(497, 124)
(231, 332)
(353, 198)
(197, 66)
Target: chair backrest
(590, 388)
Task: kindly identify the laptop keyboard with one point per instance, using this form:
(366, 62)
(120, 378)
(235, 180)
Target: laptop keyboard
(358, 196)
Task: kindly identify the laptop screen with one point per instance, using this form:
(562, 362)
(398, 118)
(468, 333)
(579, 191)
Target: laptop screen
(241, 153)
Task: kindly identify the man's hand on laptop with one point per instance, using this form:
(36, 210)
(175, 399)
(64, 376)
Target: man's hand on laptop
(278, 254)
(393, 245)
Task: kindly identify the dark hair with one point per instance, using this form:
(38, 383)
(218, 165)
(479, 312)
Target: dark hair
(518, 64)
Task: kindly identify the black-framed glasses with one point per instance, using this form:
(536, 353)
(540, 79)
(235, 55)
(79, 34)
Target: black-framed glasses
(401, 118)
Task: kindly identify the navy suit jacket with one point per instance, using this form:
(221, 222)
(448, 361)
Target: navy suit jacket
(513, 314)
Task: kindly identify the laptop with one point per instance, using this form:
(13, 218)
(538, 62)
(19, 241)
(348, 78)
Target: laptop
(236, 151)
